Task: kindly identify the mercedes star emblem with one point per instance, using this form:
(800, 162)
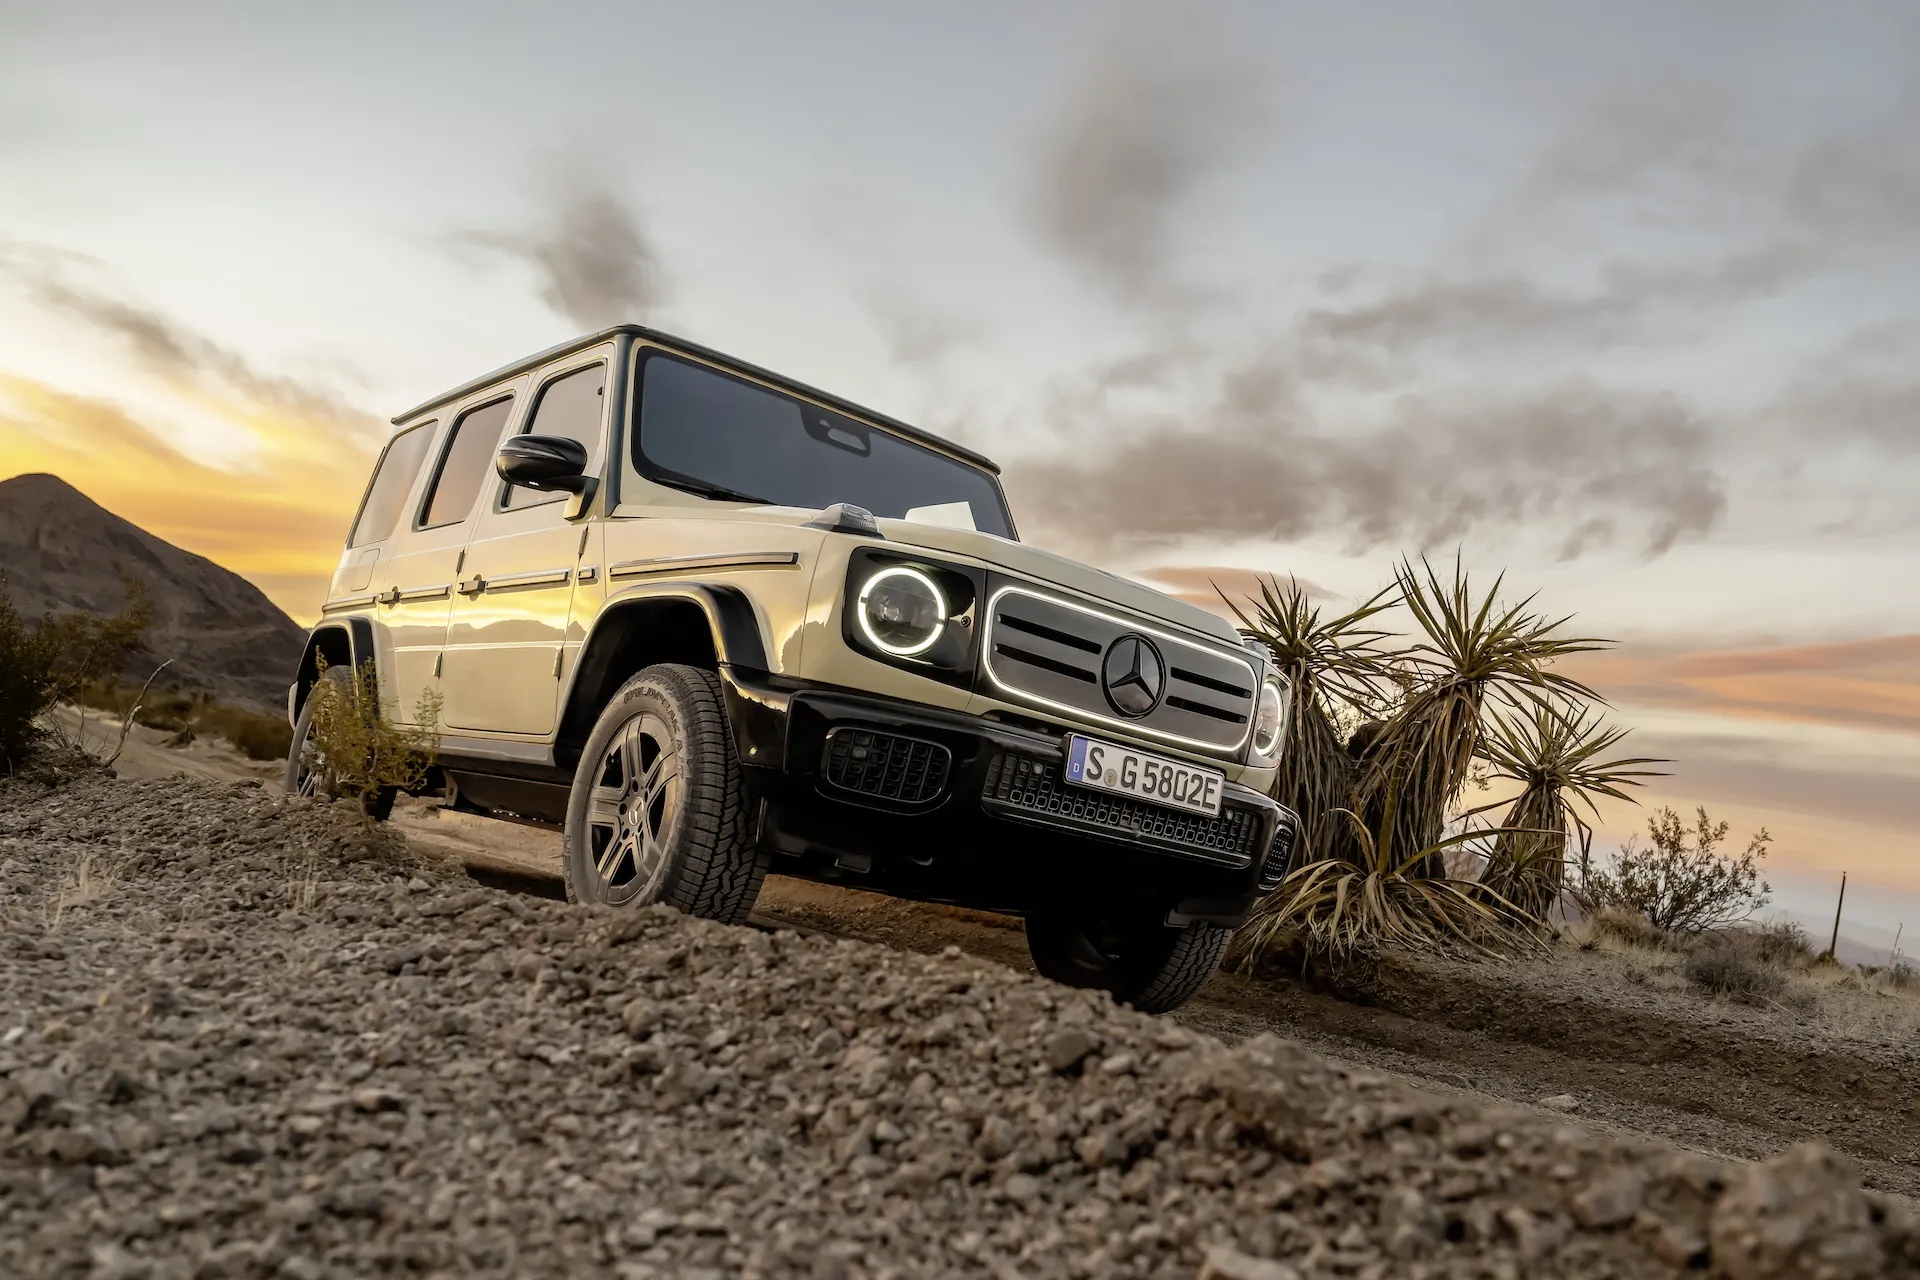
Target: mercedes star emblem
(1133, 676)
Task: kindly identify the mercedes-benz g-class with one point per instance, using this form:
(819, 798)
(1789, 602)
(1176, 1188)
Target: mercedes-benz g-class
(712, 623)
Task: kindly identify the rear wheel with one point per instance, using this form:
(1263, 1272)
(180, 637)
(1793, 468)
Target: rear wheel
(658, 811)
(1132, 954)
(306, 765)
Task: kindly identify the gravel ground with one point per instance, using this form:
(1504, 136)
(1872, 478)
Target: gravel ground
(241, 1038)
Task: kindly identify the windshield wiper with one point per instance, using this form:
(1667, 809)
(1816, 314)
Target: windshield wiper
(706, 490)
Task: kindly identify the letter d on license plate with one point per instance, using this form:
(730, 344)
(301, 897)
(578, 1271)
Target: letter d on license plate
(1104, 766)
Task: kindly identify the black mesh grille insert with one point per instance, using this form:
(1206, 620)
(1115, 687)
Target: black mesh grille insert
(1033, 787)
(1279, 853)
(886, 766)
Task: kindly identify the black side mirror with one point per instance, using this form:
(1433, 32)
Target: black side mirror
(551, 464)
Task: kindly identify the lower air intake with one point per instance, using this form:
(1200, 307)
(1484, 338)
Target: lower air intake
(886, 766)
(1032, 788)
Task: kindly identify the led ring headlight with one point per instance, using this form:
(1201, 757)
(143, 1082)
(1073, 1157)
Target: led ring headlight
(902, 611)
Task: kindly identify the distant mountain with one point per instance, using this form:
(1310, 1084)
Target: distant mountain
(63, 552)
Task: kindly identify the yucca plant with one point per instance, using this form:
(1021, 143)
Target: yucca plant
(1373, 895)
(1336, 672)
(1375, 870)
(1476, 650)
(1554, 751)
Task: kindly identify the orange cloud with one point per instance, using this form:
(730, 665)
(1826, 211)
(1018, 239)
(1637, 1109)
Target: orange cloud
(1870, 683)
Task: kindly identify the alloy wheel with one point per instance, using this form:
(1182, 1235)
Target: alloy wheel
(633, 809)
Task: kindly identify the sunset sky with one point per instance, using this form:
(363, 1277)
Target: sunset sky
(1623, 299)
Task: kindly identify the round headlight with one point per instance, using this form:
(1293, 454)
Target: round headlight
(1267, 718)
(902, 611)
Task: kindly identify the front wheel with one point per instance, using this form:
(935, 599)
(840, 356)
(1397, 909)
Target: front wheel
(658, 811)
(1143, 962)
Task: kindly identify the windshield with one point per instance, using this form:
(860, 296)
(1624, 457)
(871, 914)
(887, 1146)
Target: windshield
(725, 437)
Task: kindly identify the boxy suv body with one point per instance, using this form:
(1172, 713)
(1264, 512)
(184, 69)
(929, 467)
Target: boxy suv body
(711, 622)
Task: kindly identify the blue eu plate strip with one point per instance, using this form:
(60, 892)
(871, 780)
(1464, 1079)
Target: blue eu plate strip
(1076, 759)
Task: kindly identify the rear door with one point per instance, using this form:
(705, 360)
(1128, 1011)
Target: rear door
(424, 566)
(506, 640)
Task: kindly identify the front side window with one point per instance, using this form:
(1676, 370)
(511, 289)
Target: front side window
(568, 406)
(467, 462)
(724, 437)
(392, 480)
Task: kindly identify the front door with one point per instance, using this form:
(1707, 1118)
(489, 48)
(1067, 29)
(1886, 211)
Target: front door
(506, 638)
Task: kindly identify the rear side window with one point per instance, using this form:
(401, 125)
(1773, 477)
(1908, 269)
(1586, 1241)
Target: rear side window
(392, 481)
(465, 465)
(568, 406)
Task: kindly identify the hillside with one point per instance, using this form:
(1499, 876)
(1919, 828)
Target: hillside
(63, 552)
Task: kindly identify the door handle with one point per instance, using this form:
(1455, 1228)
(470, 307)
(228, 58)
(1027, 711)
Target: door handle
(472, 586)
(390, 596)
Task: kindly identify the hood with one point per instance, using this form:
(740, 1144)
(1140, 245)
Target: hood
(1031, 562)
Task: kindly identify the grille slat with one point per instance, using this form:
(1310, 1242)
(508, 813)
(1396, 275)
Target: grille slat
(1034, 787)
(886, 766)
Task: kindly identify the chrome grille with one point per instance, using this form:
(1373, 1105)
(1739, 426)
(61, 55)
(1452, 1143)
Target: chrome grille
(1032, 788)
(1048, 651)
(885, 766)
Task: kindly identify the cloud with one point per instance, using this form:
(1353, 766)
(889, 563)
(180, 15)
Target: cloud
(175, 353)
(1143, 128)
(270, 502)
(1865, 684)
(1202, 585)
(1596, 466)
(916, 330)
(592, 258)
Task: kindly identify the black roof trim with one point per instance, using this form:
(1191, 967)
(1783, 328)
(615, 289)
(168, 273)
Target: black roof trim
(532, 362)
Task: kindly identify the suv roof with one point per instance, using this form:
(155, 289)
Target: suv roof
(706, 353)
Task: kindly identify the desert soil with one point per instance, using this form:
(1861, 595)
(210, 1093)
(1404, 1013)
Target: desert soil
(241, 1036)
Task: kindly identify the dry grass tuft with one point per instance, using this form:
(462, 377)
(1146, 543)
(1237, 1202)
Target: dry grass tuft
(92, 878)
(1732, 968)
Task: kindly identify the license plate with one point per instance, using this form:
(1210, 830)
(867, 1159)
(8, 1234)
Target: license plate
(1106, 767)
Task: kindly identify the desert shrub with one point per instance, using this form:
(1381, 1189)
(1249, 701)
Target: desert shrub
(1680, 881)
(1902, 976)
(1781, 942)
(1731, 966)
(1629, 928)
(48, 662)
(354, 751)
(257, 735)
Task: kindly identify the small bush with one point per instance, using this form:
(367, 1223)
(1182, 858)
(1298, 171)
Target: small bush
(1680, 882)
(1730, 967)
(356, 752)
(1902, 976)
(1781, 942)
(50, 661)
(256, 735)
(1628, 927)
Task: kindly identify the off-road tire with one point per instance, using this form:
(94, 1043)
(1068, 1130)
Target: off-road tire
(709, 865)
(1144, 963)
(379, 806)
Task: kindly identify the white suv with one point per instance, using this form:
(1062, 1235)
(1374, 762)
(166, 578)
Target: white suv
(713, 623)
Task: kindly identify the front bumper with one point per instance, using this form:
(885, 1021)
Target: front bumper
(966, 808)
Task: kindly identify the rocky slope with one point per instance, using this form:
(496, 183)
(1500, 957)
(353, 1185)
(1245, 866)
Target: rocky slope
(63, 552)
(237, 1038)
